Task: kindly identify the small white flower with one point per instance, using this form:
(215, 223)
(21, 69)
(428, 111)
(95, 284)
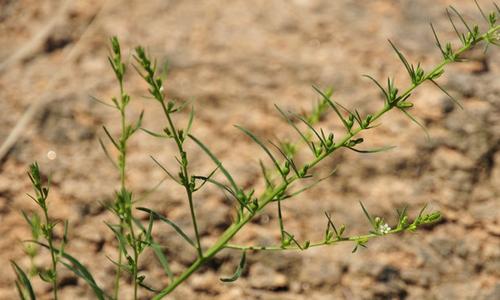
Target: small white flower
(384, 228)
(51, 155)
(161, 89)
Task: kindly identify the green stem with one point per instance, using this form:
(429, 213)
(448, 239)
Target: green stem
(269, 195)
(135, 267)
(121, 164)
(52, 253)
(357, 238)
(184, 170)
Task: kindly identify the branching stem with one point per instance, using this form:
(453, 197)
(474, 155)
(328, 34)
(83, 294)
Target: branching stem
(269, 195)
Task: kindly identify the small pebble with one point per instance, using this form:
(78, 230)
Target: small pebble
(51, 155)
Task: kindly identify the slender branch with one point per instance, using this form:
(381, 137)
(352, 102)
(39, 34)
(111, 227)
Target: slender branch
(269, 195)
(185, 175)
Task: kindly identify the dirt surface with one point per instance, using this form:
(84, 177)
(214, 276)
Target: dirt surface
(235, 60)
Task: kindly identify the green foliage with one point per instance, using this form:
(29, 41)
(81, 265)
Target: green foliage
(133, 237)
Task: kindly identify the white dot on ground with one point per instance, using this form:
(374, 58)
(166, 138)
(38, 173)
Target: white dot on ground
(51, 155)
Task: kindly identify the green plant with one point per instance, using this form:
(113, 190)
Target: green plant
(134, 237)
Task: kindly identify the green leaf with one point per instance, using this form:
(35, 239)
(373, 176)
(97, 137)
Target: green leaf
(403, 59)
(482, 12)
(151, 190)
(304, 138)
(359, 243)
(162, 259)
(462, 19)
(190, 122)
(138, 123)
(333, 104)
(205, 179)
(376, 150)
(224, 188)
(414, 120)
(169, 222)
(459, 35)
(239, 270)
(120, 237)
(217, 162)
(368, 216)
(147, 287)
(308, 187)
(447, 94)
(79, 269)
(379, 86)
(111, 138)
(256, 140)
(158, 135)
(286, 157)
(313, 130)
(105, 150)
(165, 170)
(331, 224)
(101, 102)
(291, 237)
(438, 43)
(269, 183)
(23, 284)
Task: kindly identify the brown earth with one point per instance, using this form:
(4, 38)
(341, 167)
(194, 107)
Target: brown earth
(235, 60)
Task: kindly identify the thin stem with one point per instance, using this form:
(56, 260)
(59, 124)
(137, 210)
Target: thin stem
(185, 174)
(121, 164)
(280, 221)
(52, 255)
(356, 238)
(135, 267)
(271, 193)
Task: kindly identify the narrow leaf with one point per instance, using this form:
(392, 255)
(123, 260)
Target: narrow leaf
(79, 270)
(304, 138)
(23, 283)
(462, 19)
(460, 36)
(224, 188)
(331, 224)
(190, 122)
(376, 150)
(239, 270)
(162, 259)
(313, 130)
(155, 134)
(447, 94)
(290, 161)
(333, 105)
(368, 216)
(169, 222)
(105, 150)
(264, 173)
(151, 190)
(482, 12)
(111, 138)
(403, 59)
(165, 170)
(205, 179)
(119, 236)
(101, 102)
(378, 85)
(308, 187)
(217, 162)
(416, 122)
(256, 140)
(438, 43)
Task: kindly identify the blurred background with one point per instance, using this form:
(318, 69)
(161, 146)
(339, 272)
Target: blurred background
(234, 60)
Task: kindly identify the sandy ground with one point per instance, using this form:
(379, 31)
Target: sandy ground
(235, 60)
